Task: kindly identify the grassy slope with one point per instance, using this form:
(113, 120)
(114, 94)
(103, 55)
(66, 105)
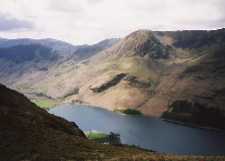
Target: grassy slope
(45, 103)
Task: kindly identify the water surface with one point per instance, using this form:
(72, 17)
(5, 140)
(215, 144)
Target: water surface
(146, 132)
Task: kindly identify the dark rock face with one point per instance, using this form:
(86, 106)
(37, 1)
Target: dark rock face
(153, 48)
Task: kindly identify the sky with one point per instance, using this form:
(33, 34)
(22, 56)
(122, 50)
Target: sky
(89, 21)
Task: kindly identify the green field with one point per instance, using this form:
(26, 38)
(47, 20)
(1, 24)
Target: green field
(45, 103)
(94, 135)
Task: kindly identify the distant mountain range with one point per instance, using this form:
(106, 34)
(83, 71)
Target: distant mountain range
(58, 46)
(177, 75)
(20, 57)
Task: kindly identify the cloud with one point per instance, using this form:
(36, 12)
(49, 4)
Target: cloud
(94, 1)
(88, 21)
(66, 6)
(8, 23)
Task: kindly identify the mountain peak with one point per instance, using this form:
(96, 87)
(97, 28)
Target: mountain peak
(142, 43)
(142, 33)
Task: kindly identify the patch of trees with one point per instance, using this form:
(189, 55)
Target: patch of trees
(195, 113)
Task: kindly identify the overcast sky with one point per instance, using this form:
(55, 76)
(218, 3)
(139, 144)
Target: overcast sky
(89, 21)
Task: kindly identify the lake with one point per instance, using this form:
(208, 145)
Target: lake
(146, 132)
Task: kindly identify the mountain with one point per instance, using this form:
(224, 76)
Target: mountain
(142, 43)
(57, 46)
(27, 61)
(26, 53)
(196, 92)
(176, 75)
(131, 64)
(86, 51)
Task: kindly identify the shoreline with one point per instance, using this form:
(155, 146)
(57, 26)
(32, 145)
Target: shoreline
(187, 124)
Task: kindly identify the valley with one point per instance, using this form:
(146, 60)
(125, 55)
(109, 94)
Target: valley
(100, 80)
(147, 71)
